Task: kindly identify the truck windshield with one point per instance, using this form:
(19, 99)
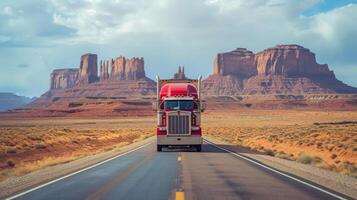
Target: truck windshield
(178, 105)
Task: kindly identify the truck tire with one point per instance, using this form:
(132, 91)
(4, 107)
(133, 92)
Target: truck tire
(199, 148)
(159, 148)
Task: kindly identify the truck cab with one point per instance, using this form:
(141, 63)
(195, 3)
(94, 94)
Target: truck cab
(179, 108)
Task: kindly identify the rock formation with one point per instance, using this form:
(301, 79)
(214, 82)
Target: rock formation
(239, 62)
(104, 73)
(126, 79)
(180, 73)
(290, 61)
(127, 69)
(134, 69)
(88, 69)
(118, 68)
(283, 69)
(64, 78)
(219, 85)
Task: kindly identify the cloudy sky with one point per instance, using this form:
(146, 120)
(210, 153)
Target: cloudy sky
(38, 36)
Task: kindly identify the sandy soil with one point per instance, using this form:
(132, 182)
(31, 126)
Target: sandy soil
(324, 139)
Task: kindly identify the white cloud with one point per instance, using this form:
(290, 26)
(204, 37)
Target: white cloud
(172, 32)
(7, 11)
(335, 24)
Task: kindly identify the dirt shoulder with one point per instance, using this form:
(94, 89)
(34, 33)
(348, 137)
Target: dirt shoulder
(17, 184)
(343, 184)
(29, 145)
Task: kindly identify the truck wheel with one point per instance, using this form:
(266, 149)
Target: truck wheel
(159, 148)
(199, 148)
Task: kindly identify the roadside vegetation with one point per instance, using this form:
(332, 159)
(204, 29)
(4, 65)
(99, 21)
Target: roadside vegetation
(324, 139)
(26, 146)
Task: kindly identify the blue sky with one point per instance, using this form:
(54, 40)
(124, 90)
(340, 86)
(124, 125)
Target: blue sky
(327, 5)
(38, 36)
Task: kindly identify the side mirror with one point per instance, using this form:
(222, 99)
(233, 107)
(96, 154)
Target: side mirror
(203, 106)
(154, 105)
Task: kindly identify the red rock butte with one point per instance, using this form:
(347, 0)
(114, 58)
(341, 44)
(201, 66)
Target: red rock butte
(283, 69)
(119, 78)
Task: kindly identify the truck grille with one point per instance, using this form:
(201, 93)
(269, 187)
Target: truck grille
(178, 124)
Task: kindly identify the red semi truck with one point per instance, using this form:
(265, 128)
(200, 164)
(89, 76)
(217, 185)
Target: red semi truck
(179, 106)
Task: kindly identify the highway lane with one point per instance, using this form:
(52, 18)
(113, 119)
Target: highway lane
(147, 174)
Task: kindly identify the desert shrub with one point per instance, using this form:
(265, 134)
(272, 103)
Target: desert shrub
(349, 168)
(10, 163)
(269, 152)
(40, 146)
(283, 155)
(109, 149)
(34, 137)
(315, 135)
(304, 158)
(316, 160)
(11, 150)
(333, 156)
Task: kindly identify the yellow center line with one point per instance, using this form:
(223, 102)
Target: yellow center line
(180, 196)
(179, 158)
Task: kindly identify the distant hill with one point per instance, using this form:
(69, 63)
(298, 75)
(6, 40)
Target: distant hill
(11, 101)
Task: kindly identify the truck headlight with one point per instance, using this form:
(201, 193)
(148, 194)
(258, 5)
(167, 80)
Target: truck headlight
(195, 128)
(162, 128)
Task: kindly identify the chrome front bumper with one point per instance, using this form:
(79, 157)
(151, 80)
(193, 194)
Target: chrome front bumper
(179, 140)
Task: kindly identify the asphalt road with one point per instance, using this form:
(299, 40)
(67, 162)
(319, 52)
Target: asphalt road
(176, 174)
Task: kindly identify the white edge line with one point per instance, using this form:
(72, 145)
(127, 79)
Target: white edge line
(276, 171)
(74, 173)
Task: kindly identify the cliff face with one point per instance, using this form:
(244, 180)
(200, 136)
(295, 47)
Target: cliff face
(118, 68)
(290, 61)
(239, 62)
(283, 69)
(64, 78)
(88, 69)
(127, 69)
(134, 69)
(104, 73)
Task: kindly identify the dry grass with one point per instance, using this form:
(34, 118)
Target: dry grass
(324, 139)
(26, 146)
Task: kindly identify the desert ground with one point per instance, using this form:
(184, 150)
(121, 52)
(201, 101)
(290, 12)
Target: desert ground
(326, 139)
(28, 145)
